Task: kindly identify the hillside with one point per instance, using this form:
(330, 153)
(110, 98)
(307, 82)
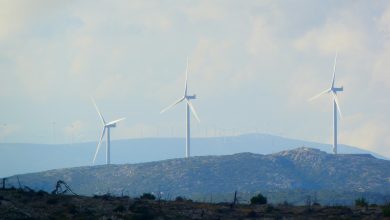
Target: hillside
(341, 176)
(27, 158)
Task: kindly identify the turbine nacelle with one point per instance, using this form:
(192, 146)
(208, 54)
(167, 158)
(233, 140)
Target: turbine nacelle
(189, 109)
(106, 127)
(191, 96)
(112, 124)
(336, 106)
(340, 89)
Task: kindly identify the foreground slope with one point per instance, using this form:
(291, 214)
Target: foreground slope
(299, 169)
(18, 204)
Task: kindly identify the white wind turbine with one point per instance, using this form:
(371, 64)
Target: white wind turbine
(106, 127)
(336, 107)
(189, 106)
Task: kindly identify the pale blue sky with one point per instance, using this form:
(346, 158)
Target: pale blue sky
(253, 66)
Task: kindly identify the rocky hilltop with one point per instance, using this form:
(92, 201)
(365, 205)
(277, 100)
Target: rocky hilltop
(284, 175)
(18, 158)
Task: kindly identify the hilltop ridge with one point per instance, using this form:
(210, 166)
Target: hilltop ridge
(146, 150)
(298, 169)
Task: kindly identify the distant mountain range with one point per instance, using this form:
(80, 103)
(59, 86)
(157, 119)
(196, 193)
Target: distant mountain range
(287, 175)
(26, 158)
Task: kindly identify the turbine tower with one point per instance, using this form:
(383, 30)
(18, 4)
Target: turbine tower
(189, 107)
(336, 106)
(106, 127)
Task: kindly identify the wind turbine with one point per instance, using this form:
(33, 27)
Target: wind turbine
(106, 127)
(189, 107)
(336, 106)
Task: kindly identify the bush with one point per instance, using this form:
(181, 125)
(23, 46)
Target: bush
(120, 208)
(72, 209)
(147, 196)
(180, 199)
(52, 201)
(259, 200)
(269, 209)
(386, 210)
(251, 214)
(361, 202)
(105, 197)
(41, 193)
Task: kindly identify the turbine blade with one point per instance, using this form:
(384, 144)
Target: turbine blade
(186, 86)
(334, 70)
(169, 107)
(320, 94)
(337, 104)
(116, 121)
(193, 110)
(100, 114)
(98, 146)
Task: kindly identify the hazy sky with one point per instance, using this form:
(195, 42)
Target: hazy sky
(253, 65)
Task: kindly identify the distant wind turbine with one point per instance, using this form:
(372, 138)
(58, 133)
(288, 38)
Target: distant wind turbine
(336, 107)
(189, 106)
(106, 127)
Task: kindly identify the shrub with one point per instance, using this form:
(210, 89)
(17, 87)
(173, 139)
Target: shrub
(147, 196)
(25, 201)
(251, 214)
(72, 209)
(120, 208)
(361, 202)
(269, 209)
(104, 197)
(41, 193)
(180, 199)
(52, 201)
(259, 200)
(386, 210)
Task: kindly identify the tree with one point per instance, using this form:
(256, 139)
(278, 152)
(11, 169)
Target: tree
(259, 200)
(362, 202)
(386, 210)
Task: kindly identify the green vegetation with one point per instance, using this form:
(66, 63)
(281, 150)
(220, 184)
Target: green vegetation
(361, 202)
(259, 200)
(386, 210)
